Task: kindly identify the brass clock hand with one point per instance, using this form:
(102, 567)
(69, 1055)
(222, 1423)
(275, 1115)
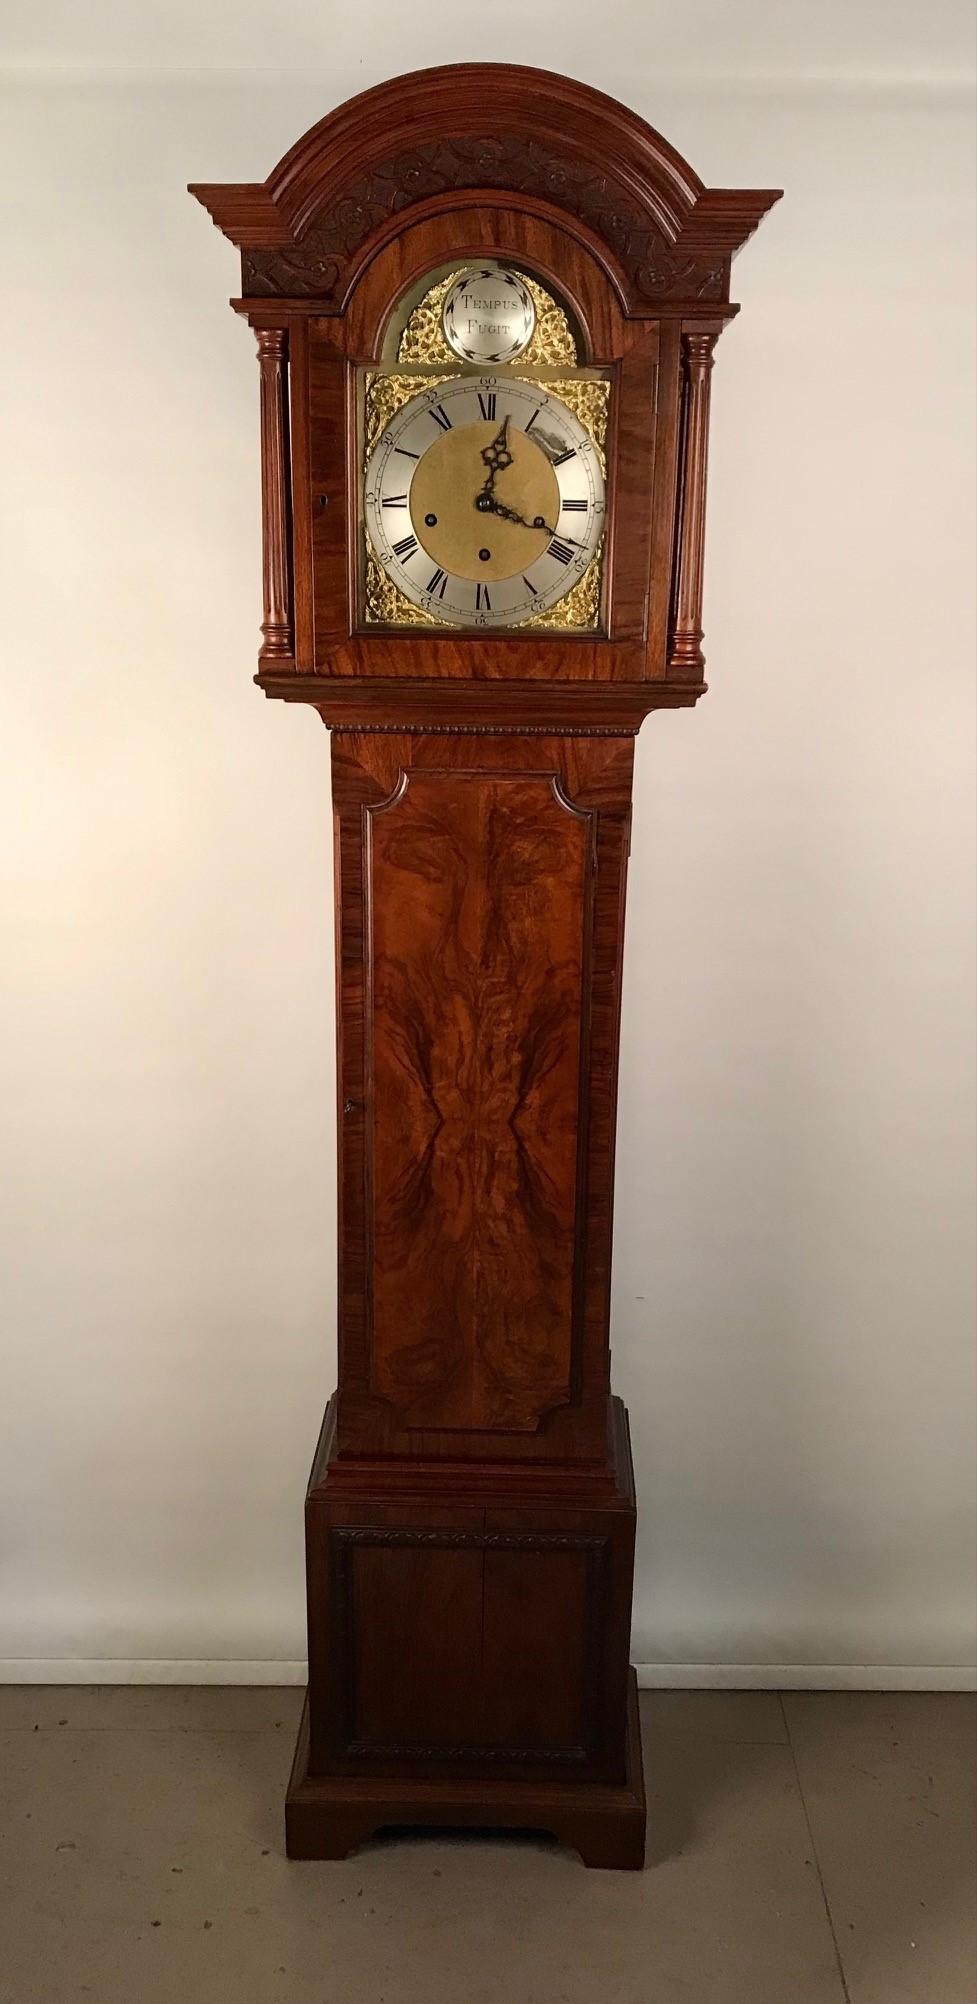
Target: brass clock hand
(496, 456)
(494, 507)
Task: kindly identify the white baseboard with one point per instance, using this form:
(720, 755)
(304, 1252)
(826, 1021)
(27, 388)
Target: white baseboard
(806, 1677)
(147, 1670)
(651, 1676)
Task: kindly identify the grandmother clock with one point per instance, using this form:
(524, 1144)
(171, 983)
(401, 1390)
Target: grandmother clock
(486, 300)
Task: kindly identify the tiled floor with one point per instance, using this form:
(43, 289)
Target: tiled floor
(809, 1850)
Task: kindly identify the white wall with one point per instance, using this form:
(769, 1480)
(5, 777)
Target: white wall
(793, 1247)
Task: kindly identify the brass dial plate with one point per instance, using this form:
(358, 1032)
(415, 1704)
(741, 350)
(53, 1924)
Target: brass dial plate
(486, 546)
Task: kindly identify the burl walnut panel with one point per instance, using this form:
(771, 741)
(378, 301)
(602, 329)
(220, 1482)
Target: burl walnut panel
(480, 902)
(479, 898)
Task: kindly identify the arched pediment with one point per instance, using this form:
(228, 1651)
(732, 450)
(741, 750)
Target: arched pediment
(479, 127)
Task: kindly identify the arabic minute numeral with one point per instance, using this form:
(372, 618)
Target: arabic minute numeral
(560, 550)
(405, 548)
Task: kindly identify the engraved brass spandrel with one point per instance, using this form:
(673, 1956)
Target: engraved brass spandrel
(383, 604)
(384, 395)
(579, 610)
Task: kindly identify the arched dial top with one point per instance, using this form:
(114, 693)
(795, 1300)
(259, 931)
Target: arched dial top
(484, 500)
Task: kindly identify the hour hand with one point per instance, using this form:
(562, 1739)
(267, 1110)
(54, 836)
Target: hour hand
(496, 454)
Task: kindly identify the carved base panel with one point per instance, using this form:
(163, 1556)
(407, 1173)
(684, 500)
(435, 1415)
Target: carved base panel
(327, 1816)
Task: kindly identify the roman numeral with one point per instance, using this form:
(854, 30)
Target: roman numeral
(438, 582)
(562, 457)
(402, 449)
(441, 417)
(482, 601)
(530, 586)
(569, 507)
(561, 551)
(487, 404)
(535, 415)
(405, 548)
(400, 501)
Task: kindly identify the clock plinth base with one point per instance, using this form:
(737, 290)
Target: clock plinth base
(328, 1816)
(469, 1633)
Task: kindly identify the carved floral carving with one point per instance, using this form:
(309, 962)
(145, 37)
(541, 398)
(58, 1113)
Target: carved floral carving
(314, 268)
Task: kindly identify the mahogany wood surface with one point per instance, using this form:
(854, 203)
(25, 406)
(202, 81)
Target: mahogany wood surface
(329, 1816)
(471, 1626)
(686, 649)
(470, 1517)
(276, 625)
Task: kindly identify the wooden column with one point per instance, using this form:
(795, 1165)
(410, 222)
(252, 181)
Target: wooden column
(276, 625)
(686, 653)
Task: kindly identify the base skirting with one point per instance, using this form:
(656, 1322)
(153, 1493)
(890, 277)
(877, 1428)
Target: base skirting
(327, 1816)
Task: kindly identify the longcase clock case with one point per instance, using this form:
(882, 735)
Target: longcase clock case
(470, 1516)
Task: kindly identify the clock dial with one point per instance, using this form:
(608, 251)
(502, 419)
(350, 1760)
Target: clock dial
(484, 500)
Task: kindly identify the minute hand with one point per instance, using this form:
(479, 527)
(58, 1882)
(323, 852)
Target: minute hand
(494, 507)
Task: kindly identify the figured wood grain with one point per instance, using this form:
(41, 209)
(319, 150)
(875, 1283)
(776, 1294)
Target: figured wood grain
(595, 775)
(301, 495)
(479, 899)
(662, 510)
